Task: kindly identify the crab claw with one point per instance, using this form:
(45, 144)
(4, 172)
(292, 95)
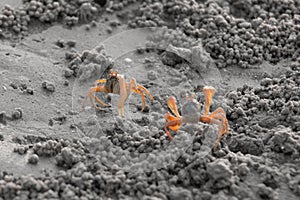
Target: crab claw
(209, 92)
(172, 123)
(169, 117)
(172, 103)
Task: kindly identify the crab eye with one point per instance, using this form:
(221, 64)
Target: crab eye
(196, 103)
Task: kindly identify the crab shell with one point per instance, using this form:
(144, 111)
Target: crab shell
(113, 85)
(190, 112)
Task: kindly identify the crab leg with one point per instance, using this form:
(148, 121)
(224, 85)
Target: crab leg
(223, 128)
(218, 118)
(93, 103)
(123, 96)
(91, 96)
(143, 98)
(139, 89)
(219, 113)
(143, 89)
(99, 101)
(100, 81)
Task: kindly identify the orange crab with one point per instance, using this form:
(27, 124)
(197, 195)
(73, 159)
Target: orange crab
(191, 114)
(116, 84)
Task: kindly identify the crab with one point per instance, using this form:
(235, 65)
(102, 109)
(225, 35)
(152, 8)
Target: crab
(87, 11)
(116, 84)
(191, 114)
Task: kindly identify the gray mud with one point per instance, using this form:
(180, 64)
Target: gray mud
(53, 51)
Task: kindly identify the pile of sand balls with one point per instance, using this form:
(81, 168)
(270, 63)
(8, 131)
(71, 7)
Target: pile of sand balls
(17, 20)
(295, 65)
(48, 148)
(45, 11)
(266, 34)
(102, 168)
(142, 141)
(275, 96)
(117, 5)
(148, 16)
(256, 112)
(66, 152)
(163, 37)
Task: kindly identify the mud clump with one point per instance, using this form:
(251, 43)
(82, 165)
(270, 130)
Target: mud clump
(3, 119)
(88, 64)
(17, 114)
(30, 139)
(23, 86)
(67, 158)
(220, 172)
(48, 148)
(58, 120)
(21, 149)
(152, 75)
(284, 141)
(294, 185)
(68, 73)
(197, 57)
(246, 145)
(48, 86)
(33, 159)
